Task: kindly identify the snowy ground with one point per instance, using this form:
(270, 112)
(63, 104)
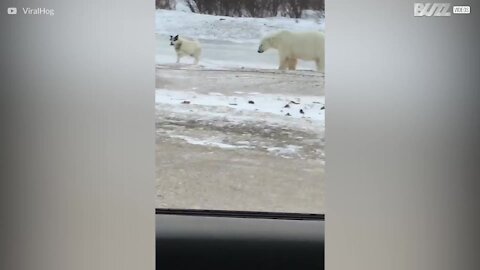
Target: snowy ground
(235, 133)
(226, 41)
(222, 28)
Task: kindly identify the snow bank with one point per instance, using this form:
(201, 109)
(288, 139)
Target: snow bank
(234, 29)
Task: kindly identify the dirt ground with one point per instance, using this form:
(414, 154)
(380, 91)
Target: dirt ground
(224, 81)
(242, 178)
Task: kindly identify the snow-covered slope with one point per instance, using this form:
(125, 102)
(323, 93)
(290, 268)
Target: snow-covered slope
(223, 28)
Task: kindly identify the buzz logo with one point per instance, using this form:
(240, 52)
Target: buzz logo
(431, 9)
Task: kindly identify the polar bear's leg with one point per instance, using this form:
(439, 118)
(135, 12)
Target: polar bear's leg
(283, 62)
(292, 63)
(198, 51)
(320, 65)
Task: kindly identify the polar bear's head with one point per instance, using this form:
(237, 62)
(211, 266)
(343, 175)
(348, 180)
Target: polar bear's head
(266, 43)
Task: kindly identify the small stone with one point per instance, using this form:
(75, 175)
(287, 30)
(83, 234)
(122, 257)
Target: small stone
(251, 102)
(301, 111)
(286, 106)
(185, 102)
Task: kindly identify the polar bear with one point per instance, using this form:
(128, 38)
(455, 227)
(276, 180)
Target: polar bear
(291, 46)
(184, 47)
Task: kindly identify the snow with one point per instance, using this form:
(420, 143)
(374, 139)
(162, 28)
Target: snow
(182, 6)
(250, 106)
(221, 56)
(223, 28)
(286, 152)
(212, 142)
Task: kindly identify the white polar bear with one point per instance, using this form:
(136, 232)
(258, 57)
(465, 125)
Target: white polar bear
(184, 47)
(291, 46)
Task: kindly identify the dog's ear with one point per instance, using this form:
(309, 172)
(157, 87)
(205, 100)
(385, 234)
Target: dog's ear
(175, 38)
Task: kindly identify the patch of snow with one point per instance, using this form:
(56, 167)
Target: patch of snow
(286, 151)
(265, 106)
(208, 142)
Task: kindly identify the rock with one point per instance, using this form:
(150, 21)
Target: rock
(185, 102)
(251, 102)
(286, 106)
(301, 111)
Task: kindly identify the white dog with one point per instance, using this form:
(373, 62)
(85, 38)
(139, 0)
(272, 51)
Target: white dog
(184, 47)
